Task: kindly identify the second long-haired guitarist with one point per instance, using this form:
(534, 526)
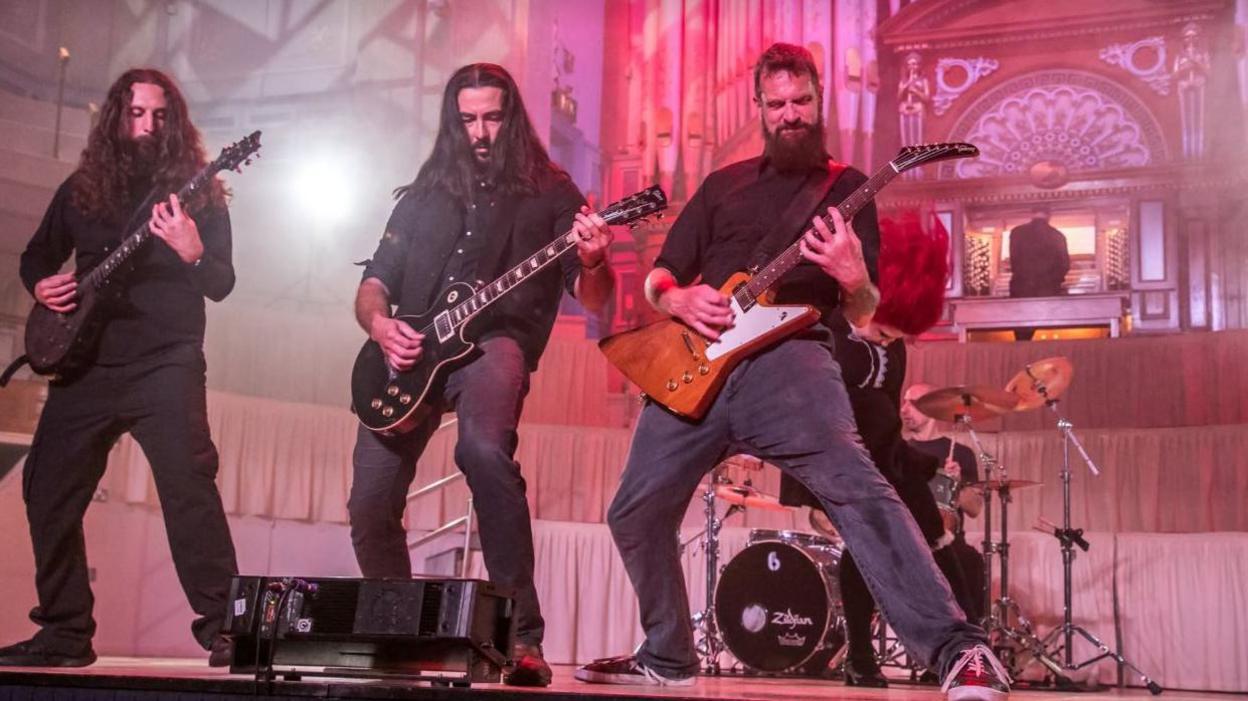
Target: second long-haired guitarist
(786, 404)
(488, 196)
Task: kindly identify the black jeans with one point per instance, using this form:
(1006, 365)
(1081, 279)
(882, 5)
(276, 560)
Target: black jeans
(160, 401)
(487, 395)
(789, 407)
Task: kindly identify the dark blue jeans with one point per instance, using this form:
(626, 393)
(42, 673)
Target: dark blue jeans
(487, 395)
(789, 407)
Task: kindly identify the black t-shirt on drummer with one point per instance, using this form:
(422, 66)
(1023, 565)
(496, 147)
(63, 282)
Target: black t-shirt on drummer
(963, 455)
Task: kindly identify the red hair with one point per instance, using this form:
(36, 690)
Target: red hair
(914, 267)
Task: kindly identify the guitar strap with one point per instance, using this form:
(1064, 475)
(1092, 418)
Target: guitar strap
(797, 215)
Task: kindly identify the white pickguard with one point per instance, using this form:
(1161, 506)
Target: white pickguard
(750, 325)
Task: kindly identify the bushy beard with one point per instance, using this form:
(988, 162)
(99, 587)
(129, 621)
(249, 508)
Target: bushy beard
(791, 152)
(140, 158)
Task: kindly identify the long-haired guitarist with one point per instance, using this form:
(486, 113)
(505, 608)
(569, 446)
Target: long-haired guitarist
(488, 196)
(785, 404)
(145, 375)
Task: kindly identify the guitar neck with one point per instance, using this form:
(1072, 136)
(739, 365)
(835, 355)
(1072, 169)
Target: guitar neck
(786, 261)
(101, 274)
(486, 296)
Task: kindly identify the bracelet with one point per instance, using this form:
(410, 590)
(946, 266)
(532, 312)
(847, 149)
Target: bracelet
(602, 263)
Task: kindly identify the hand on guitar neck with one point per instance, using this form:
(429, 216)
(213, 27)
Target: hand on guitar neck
(839, 255)
(58, 292)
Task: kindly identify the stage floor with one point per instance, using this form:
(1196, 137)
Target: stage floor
(142, 678)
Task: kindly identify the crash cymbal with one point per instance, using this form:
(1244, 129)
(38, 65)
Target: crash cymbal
(977, 402)
(1054, 374)
(996, 485)
(748, 497)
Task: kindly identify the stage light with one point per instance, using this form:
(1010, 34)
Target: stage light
(324, 191)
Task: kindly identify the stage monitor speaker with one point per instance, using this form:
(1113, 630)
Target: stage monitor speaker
(452, 631)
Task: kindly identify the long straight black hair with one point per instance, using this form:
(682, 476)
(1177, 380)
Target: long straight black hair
(519, 162)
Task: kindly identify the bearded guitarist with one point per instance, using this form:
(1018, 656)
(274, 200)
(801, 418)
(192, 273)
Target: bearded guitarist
(786, 404)
(488, 196)
(145, 373)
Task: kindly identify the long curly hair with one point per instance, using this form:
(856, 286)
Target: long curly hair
(520, 162)
(914, 269)
(109, 168)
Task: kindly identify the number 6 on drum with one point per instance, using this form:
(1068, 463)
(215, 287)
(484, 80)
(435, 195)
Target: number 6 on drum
(778, 604)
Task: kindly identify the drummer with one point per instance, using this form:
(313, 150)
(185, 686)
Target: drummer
(960, 468)
(913, 268)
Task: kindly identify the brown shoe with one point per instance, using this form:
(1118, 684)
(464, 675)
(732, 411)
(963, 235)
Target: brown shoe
(527, 666)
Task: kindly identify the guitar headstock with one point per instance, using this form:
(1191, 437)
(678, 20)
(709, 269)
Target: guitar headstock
(920, 154)
(239, 153)
(636, 206)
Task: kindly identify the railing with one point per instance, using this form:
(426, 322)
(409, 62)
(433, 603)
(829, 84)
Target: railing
(449, 526)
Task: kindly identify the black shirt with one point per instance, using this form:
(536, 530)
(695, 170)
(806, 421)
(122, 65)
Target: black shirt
(964, 456)
(420, 252)
(160, 301)
(737, 206)
(1039, 260)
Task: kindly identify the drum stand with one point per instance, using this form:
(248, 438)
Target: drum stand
(1061, 639)
(1000, 612)
(708, 642)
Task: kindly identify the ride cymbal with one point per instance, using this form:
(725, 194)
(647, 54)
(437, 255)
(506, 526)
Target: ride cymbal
(977, 402)
(748, 497)
(1053, 375)
(997, 485)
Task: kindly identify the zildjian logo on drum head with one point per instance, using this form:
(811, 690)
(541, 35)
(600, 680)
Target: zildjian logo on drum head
(790, 619)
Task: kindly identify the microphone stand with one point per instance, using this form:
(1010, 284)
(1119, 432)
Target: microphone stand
(1061, 639)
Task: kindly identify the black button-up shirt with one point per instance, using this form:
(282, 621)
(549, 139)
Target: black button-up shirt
(736, 207)
(160, 301)
(427, 242)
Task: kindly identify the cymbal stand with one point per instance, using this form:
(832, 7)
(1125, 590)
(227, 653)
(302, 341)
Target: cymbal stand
(999, 612)
(708, 642)
(1061, 638)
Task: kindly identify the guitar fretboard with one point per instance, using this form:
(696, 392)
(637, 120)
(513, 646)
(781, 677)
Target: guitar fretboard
(792, 255)
(99, 275)
(475, 304)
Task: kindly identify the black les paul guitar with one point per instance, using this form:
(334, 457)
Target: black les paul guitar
(56, 343)
(393, 402)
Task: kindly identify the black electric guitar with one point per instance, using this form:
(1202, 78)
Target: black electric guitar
(56, 343)
(392, 402)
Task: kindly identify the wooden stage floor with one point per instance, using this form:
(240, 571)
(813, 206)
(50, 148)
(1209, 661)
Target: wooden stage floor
(137, 679)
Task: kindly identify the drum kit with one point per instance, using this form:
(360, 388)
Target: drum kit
(776, 605)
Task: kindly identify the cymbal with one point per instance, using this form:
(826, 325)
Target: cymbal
(748, 497)
(977, 402)
(1054, 374)
(1003, 484)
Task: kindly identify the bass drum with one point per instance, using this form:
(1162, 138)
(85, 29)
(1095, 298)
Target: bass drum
(778, 606)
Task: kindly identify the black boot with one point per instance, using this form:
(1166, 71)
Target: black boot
(864, 674)
(31, 653)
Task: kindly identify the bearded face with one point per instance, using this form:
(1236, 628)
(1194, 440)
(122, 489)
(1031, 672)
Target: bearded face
(791, 120)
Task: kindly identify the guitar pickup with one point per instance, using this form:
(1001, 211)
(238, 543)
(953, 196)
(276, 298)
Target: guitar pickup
(684, 335)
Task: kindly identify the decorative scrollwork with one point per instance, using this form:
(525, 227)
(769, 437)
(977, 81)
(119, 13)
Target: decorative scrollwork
(955, 76)
(1144, 59)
